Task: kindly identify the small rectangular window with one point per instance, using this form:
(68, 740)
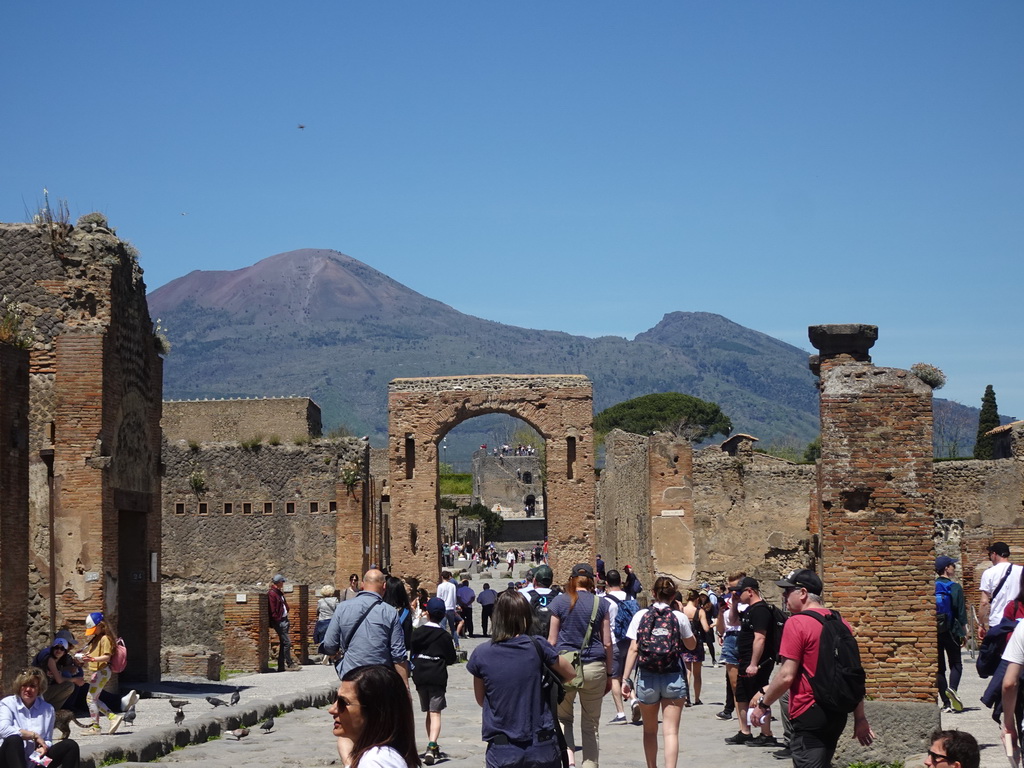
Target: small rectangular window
(333, 506)
(229, 508)
(179, 508)
(246, 508)
(289, 508)
(314, 507)
(268, 508)
(203, 508)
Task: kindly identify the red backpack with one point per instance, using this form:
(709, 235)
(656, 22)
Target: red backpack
(659, 641)
(118, 657)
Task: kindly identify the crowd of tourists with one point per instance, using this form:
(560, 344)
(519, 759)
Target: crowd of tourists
(578, 641)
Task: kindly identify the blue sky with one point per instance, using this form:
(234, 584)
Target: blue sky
(578, 166)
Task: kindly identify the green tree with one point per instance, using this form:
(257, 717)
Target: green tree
(493, 522)
(987, 419)
(683, 415)
(813, 450)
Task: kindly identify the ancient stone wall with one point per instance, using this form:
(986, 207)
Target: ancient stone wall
(14, 532)
(283, 508)
(736, 514)
(212, 421)
(981, 493)
(501, 480)
(422, 411)
(95, 391)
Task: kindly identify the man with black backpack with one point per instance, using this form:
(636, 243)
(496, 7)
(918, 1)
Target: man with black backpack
(821, 693)
(756, 650)
(540, 598)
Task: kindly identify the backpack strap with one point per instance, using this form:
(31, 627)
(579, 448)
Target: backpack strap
(590, 626)
(1003, 581)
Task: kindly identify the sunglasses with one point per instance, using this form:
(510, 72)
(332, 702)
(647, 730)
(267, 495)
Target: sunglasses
(935, 757)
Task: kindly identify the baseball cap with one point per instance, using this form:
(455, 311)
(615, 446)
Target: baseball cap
(544, 575)
(582, 569)
(804, 578)
(278, 578)
(749, 582)
(435, 605)
(942, 562)
(60, 642)
(90, 623)
(1001, 548)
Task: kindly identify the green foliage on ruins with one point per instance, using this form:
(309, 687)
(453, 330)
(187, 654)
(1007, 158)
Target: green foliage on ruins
(455, 484)
(493, 522)
(988, 419)
(682, 415)
(11, 321)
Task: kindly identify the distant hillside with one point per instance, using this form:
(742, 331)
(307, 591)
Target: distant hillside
(320, 323)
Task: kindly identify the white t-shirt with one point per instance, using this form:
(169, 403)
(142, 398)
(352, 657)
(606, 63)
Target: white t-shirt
(446, 592)
(613, 608)
(634, 623)
(381, 757)
(1014, 651)
(990, 579)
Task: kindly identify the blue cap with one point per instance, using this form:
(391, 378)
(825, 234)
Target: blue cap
(942, 562)
(435, 605)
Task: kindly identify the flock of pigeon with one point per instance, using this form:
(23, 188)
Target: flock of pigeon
(179, 713)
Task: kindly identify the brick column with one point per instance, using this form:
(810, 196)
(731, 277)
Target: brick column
(246, 633)
(14, 405)
(670, 476)
(875, 518)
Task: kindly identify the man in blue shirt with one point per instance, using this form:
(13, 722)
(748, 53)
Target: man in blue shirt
(367, 629)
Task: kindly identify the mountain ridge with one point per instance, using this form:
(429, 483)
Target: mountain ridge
(319, 322)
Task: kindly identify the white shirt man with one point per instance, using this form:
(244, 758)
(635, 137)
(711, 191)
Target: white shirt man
(993, 596)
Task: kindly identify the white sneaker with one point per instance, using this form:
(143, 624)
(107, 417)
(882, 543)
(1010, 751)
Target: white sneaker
(129, 700)
(954, 700)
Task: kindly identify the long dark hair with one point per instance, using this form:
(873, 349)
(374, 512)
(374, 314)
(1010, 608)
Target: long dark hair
(395, 594)
(387, 713)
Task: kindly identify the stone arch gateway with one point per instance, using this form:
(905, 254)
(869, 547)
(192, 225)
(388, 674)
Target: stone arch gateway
(421, 411)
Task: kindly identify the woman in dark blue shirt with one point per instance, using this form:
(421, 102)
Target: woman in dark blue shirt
(517, 724)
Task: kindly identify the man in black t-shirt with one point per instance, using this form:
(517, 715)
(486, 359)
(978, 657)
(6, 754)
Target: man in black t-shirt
(755, 658)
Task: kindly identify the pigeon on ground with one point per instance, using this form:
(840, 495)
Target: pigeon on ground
(216, 702)
(240, 733)
(268, 726)
(235, 697)
(178, 703)
(179, 716)
(129, 716)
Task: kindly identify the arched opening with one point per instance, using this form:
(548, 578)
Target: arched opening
(490, 486)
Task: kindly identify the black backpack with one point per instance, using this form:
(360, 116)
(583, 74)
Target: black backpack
(839, 683)
(541, 612)
(778, 624)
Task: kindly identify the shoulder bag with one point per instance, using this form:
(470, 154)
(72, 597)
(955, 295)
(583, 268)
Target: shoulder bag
(575, 657)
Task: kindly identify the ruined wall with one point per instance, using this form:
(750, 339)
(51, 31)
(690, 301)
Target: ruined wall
(737, 513)
(283, 508)
(14, 533)
(752, 516)
(422, 411)
(981, 493)
(623, 505)
(95, 391)
(212, 421)
(495, 481)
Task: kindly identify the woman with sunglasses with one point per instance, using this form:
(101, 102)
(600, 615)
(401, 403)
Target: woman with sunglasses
(26, 727)
(373, 711)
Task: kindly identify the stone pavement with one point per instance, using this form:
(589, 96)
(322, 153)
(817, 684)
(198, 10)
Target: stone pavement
(302, 736)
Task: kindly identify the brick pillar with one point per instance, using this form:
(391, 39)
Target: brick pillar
(350, 535)
(246, 633)
(670, 476)
(14, 405)
(876, 497)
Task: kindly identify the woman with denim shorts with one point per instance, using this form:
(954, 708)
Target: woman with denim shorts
(667, 689)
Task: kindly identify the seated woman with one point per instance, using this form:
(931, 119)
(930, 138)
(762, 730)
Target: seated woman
(26, 726)
(373, 712)
(63, 673)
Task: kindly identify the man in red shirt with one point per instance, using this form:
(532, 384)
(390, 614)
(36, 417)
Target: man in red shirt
(816, 731)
